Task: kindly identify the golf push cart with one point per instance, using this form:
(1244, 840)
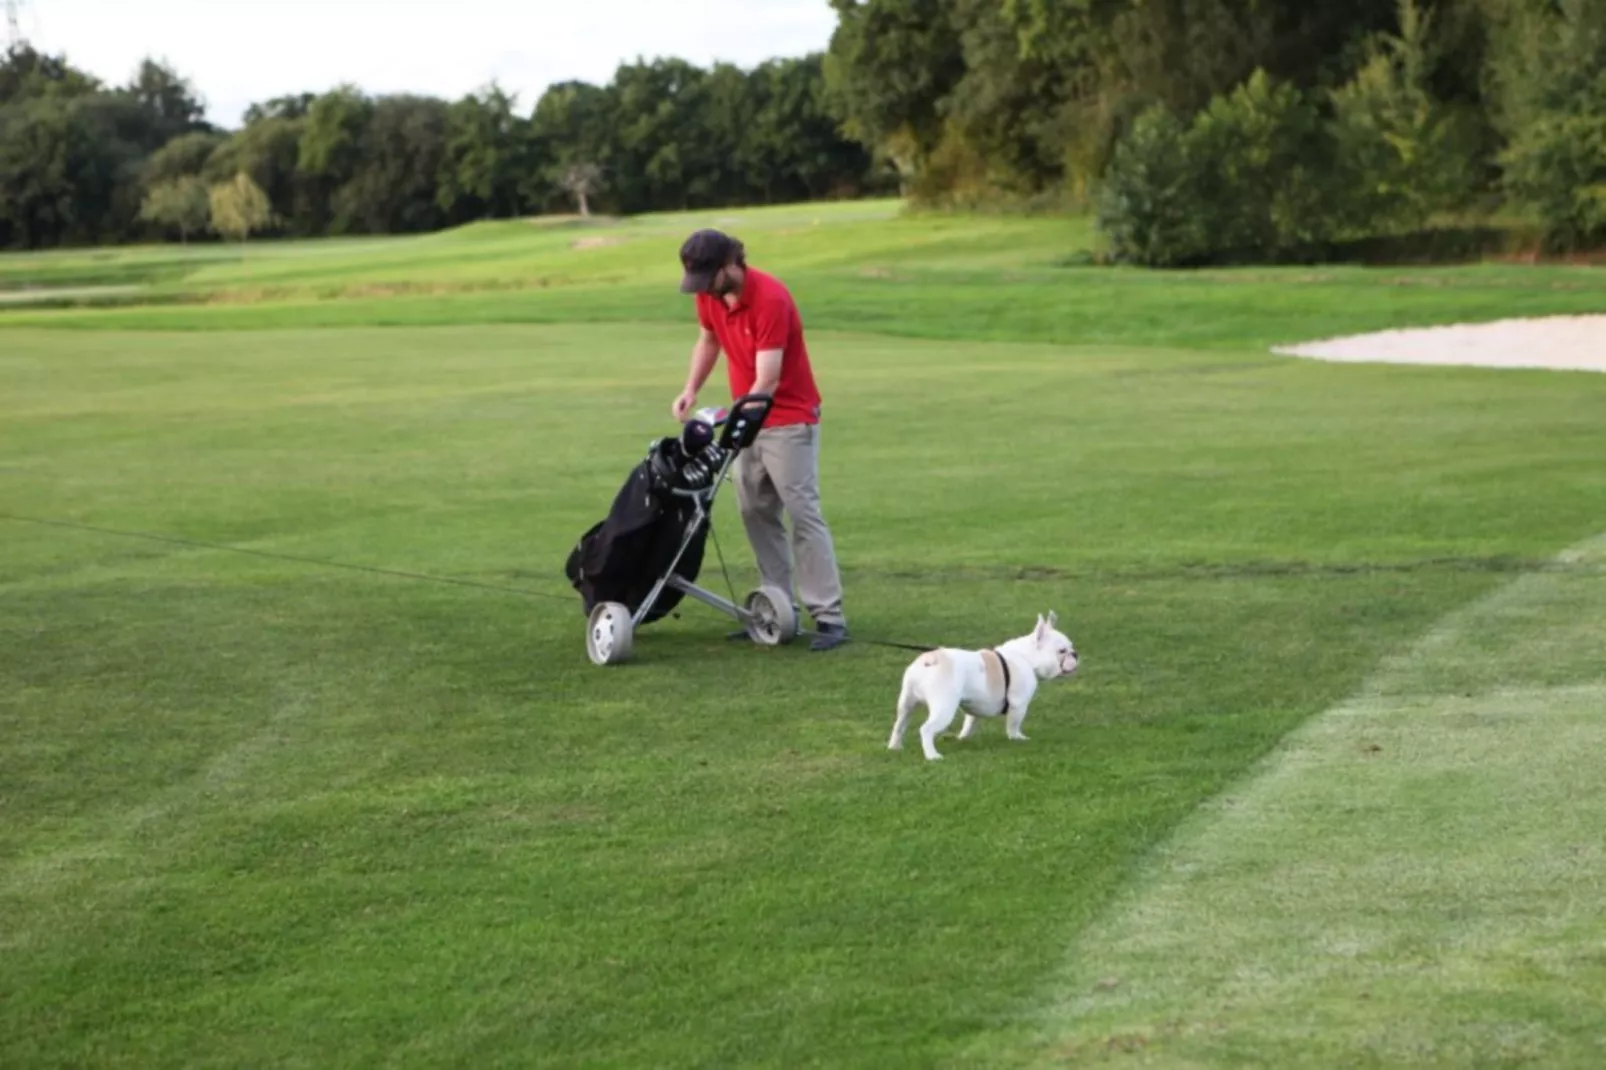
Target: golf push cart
(634, 566)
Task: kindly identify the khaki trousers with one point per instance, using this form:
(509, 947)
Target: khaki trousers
(780, 472)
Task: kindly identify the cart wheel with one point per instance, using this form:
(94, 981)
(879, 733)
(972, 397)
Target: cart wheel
(609, 634)
(774, 620)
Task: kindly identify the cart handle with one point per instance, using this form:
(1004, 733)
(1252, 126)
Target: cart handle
(742, 425)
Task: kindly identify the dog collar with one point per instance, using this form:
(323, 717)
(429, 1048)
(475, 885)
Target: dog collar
(1003, 663)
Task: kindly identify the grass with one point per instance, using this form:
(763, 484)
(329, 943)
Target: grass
(261, 811)
(1413, 878)
(855, 267)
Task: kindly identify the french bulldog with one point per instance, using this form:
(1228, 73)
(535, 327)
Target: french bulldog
(984, 683)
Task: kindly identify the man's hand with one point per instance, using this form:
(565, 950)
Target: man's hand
(683, 404)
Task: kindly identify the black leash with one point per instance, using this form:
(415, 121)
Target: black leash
(804, 632)
(867, 641)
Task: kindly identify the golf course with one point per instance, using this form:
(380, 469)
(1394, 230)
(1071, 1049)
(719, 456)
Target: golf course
(305, 764)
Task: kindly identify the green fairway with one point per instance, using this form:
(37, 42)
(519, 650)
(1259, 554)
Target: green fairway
(854, 266)
(262, 811)
(1415, 878)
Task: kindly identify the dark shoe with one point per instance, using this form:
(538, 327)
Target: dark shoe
(829, 637)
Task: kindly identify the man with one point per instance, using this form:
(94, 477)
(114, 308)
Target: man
(750, 316)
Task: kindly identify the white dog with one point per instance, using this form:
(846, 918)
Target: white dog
(985, 683)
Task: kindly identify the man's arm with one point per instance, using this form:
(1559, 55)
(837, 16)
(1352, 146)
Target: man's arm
(703, 355)
(767, 376)
(772, 322)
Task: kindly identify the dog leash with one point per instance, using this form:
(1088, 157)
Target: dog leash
(713, 533)
(1003, 662)
(919, 648)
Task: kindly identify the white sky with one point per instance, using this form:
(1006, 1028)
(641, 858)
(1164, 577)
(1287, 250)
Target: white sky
(236, 52)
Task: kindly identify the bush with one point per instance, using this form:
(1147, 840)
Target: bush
(1151, 205)
(1550, 82)
(1249, 179)
(1557, 168)
(1262, 174)
(1268, 161)
(1409, 157)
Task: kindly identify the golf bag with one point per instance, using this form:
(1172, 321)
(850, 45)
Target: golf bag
(623, 556)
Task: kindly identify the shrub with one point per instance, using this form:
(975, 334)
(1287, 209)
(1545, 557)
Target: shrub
(1408, 156)
(1249, 178)
(1557, 167)
(1151, 206)
(1550, 84)
(1262, 174)
(1267, 162)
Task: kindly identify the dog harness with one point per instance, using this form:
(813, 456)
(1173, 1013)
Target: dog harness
(1003, 663)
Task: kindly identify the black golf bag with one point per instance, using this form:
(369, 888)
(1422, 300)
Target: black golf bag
(622, 557)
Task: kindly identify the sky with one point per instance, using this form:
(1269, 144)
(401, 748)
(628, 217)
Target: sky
(236, 52)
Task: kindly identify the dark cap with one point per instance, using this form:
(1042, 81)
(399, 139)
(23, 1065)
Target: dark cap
(702, 255)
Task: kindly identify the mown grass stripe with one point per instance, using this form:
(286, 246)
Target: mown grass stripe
(1415, 877)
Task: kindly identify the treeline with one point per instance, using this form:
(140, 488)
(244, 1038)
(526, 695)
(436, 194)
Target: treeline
(1198, 131)
(1213, 130)
(85, 163)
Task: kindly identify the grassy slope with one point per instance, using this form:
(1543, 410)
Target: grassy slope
(854, 266)
(261, 811)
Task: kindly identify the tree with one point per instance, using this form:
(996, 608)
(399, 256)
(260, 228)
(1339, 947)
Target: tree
(1018, 97)
(43, 149)
(124, 136)
(332, 142)
(393, 184)
(1550, 91)
(572, 135)
(293, 106)
(1411, 155)
(330, 151)
(183, 203)
(27, 74)
(169, 100)
(728, 101)
(664, 156)
(889, 69)
(61, 171)
(78, 153)
(1002, 135)
(790, 148)
(239, 207)
(185, 154)
(268, 151)
(580, 181)
(488, 153)
(1094, 98)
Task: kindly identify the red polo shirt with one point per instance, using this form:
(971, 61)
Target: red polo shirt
(765, 317)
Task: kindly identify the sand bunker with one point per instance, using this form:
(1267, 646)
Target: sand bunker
(1570, 343)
